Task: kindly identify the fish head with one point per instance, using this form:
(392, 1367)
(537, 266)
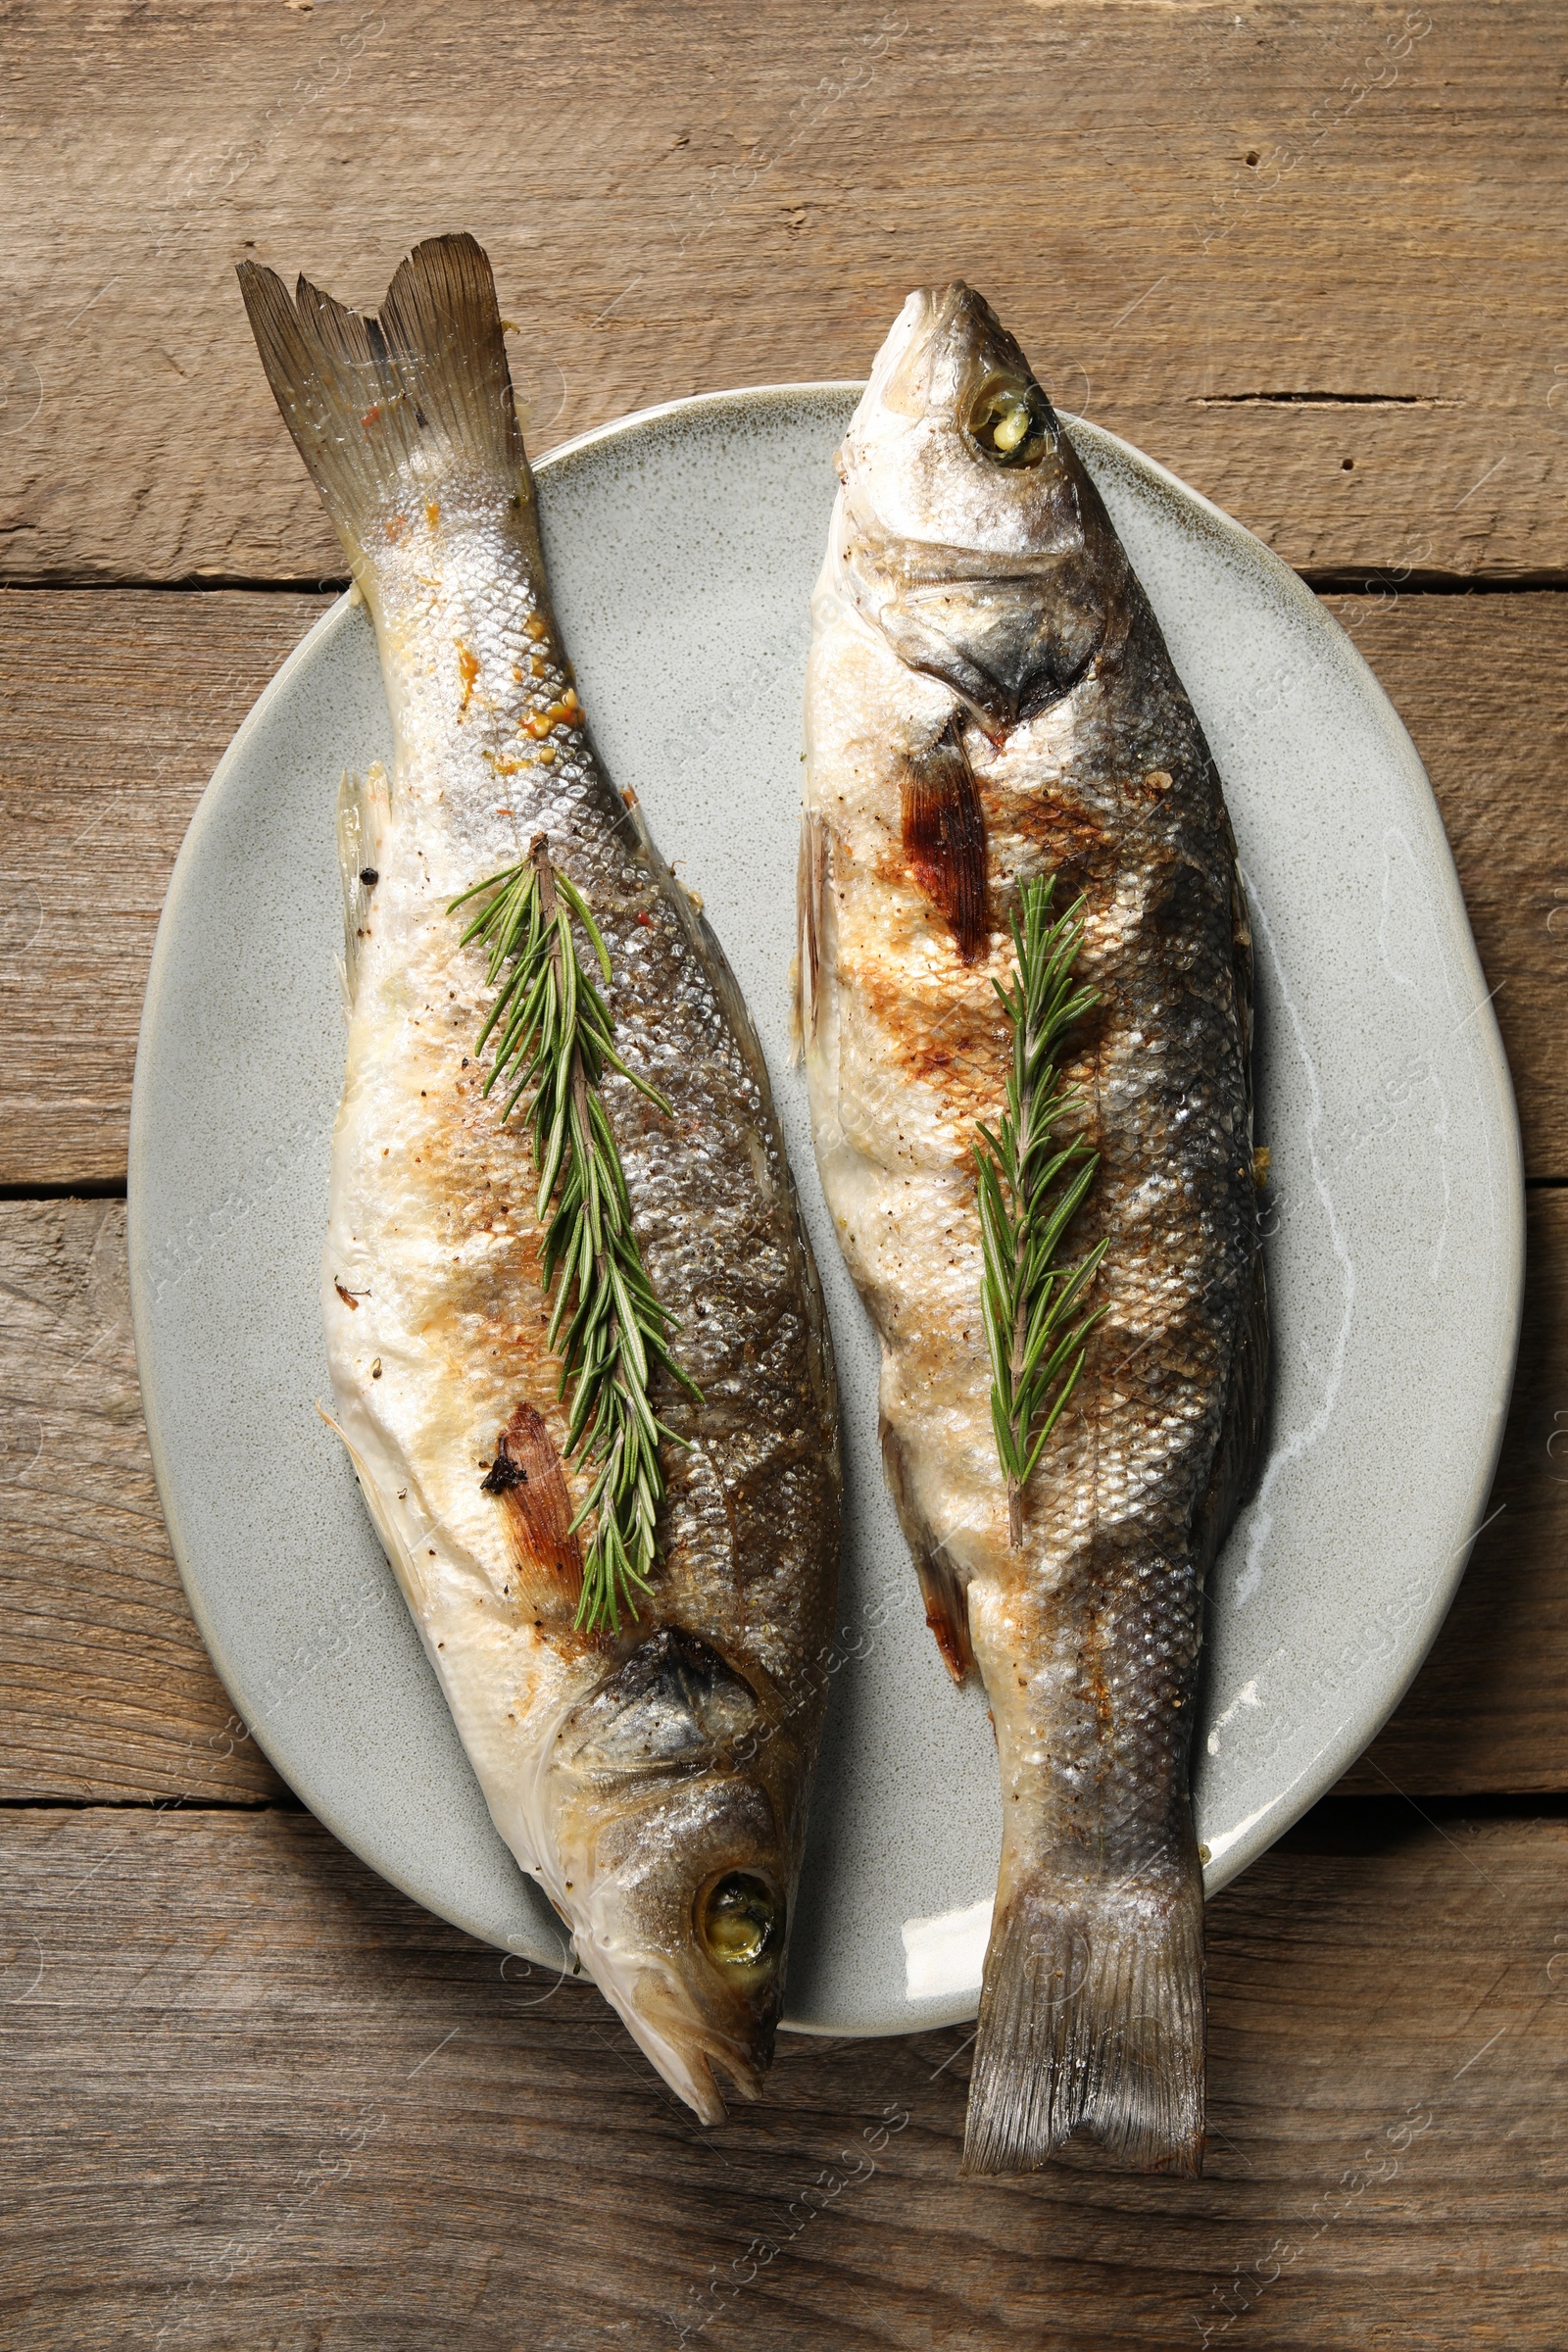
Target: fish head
(968, 530)
(673, 1825)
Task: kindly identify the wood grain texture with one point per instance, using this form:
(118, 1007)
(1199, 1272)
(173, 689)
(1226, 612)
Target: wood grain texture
(1486, 1710)
(115, 709)
(1308, 252)
(105, 1692)
(284, 2108)
(1478, 681)
(1304, 254)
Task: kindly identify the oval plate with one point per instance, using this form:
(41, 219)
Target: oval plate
(683, 545)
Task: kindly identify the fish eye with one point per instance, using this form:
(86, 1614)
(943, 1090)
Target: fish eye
(739, 1920)
(1011, 424)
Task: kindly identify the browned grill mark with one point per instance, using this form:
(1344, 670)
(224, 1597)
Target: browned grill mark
(1096, 1689)
(960, 1048)
(1057, 836)
(945, 839)
(746, 1498)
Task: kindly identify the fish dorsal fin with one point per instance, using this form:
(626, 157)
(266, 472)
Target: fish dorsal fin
(530, 1486)
(380, 406)
(364, 815)
(944, 832)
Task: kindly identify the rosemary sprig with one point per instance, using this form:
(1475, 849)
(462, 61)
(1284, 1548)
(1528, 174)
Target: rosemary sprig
(1029, 1181)
(553, 1041)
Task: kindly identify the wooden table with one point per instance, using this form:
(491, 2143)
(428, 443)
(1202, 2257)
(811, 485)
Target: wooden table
(1310, 255)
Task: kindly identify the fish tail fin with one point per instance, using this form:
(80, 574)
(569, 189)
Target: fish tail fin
(1092, 2013)
(382, 407)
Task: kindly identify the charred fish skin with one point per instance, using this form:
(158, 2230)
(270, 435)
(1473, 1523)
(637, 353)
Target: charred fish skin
(991, 700)
(654, 1779)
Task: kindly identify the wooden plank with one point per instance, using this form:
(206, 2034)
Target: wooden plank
(1487, 1709)
(1301, 253)
(1477, 681)
(106, 1692)
(257, 2097)
(113, 710)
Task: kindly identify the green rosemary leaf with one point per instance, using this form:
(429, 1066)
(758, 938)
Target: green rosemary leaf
(1065, 1389)
(1030, 1181)
(553, 1042)
(579, 907)
(639, 1082)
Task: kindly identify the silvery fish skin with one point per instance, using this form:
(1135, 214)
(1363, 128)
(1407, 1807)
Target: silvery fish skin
(654, 1783)
(990, 700)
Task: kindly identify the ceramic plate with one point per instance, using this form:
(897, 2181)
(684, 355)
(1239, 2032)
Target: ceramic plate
(683, 545)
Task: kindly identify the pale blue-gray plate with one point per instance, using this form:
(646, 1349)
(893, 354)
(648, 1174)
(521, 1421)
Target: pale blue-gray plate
(683, 545)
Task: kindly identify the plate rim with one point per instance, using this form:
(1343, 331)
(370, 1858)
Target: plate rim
(741, 404)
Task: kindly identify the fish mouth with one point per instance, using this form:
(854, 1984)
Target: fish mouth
(682, 2043)
(680, 2010)
(947, 349)
(676, 1866)
(969, 533)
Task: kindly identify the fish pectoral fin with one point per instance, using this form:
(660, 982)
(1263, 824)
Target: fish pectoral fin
(944, 831)
(363, 814)
(530, 1486)
(947, 1612)
(943, 1587)
(809, 891)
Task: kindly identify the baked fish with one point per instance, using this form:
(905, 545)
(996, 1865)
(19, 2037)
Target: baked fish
(576, 1339)
(1021, 903)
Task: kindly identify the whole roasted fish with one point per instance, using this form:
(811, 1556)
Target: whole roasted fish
(992, 711)
(576, 1333)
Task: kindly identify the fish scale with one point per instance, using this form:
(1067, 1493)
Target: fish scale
(654, 1779)
(985, 665)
